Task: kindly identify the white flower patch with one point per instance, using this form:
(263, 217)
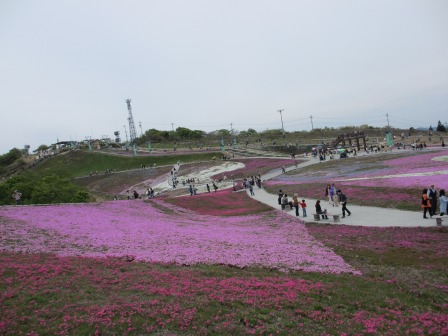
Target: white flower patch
(440, 172)
(203, 177)
(440, 158)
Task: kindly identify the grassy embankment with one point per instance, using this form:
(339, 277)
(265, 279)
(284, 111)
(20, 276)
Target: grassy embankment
(81, 163)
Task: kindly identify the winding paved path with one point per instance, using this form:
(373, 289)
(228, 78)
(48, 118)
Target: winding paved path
(361, 215)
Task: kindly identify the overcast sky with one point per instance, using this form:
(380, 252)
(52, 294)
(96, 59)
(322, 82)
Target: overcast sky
(67, 67)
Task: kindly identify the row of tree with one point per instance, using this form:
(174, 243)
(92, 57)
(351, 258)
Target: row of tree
(185, 134)
(49, 189)
(440, 127)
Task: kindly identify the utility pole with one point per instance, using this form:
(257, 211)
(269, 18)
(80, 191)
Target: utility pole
(283, 129)
(125, 132)
(141, 131)
(311, 117)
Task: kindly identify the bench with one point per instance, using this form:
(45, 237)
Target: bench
(286, 207)
(438, 219)
(336, 218)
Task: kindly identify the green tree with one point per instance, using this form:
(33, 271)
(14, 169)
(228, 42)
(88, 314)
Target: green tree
(152, 135)
(224, 133)
(53, 189)
(81, 196)
(183, 133)
(272, 133)
(10, 157)
(41, 147)
(23, 183)
(249, 133)
(197, 134)
(440, 127)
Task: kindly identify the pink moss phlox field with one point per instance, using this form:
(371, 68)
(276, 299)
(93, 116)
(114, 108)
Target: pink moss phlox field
(164, 298)
(426, 323)
(371, 175)
(222, 203)
(352, 237)
(413, 164)
(170, 235)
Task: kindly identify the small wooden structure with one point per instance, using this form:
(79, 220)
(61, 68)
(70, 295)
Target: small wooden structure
(350, 137)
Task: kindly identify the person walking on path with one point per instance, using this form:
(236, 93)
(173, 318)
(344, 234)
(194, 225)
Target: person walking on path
(432, 195)
(208, 188)
(426, 204)
(280, 196)
(251, 189)
(333, 195)
(17, 195)
(328, 194)
(295, 203)
(443, 202)
(336, 199)
(303, 206)
(284, 201)
(343, 200)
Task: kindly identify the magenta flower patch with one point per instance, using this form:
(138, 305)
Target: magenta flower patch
(159, 232)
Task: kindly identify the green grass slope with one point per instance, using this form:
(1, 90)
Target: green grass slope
(81, 163)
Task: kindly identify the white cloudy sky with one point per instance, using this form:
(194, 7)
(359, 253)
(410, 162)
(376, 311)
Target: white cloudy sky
(67, 67)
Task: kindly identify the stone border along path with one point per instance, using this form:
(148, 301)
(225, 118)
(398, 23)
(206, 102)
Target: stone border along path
(361, 215)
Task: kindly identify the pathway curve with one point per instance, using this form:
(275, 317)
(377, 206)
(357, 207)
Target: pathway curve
(361, 215)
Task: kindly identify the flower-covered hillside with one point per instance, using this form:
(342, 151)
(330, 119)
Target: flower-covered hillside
(220, 203)
(375, 180)
(158, 232)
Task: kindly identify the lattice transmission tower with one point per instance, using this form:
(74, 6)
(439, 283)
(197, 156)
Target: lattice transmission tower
(132, 132)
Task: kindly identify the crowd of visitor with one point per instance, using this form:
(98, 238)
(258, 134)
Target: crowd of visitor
(430, 198)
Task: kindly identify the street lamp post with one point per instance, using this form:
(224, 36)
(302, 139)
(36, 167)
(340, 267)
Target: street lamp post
(283, 129)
